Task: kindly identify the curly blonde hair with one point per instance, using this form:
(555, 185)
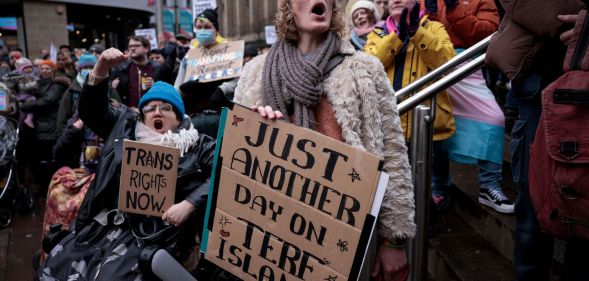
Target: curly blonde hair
(286, 28)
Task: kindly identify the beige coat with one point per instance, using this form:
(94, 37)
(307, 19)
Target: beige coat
(366, 109)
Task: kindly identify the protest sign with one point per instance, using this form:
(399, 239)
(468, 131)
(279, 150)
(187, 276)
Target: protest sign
(288, 203)
(221, 61)
(3, 101)
(200, 5)
(150, 35)
(270, 31)
(148, 178)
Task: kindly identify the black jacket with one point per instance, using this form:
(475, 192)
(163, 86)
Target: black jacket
(45, 108)
(122, 72)
(116, 124)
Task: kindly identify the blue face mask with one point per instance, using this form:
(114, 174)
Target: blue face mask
(84, 73)
(205, 37)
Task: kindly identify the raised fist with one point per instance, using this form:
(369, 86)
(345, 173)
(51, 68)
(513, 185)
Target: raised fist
(107, 60)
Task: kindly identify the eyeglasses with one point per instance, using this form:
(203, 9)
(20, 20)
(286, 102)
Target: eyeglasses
(135, 46)
(164, 108)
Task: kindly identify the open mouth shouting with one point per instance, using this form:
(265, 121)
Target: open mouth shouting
(319, 9)
(158, 124)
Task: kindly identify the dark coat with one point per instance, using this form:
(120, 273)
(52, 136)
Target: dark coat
(116, 124)
(45, 108)
(529, 31)
(122, 72)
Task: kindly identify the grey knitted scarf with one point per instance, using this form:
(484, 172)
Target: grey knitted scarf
(302, 78)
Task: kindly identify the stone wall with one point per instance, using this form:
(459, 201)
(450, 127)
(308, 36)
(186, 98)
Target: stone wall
(44, 22)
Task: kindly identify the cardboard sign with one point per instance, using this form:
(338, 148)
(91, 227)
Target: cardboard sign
(200, 5)
(3, 101)
(149, 34)
(148, 178)
(221, 61)
(289, 203)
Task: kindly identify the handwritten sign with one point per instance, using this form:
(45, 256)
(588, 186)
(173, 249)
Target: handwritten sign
(200, 5)
(289, 203)
(221, 61)
(148, 178)
(150, 35)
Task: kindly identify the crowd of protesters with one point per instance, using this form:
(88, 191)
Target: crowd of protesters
(334, 70)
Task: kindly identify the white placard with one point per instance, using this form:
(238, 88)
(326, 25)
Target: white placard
(150, 34)
(270, 31)
(200, 5)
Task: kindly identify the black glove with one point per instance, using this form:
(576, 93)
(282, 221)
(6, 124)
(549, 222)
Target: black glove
(431, 7)
(218, 100)
(450, 4)
(407, 30)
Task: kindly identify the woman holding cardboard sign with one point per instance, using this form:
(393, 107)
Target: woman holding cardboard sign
(315, 79)
(200, 96)
(107, 242)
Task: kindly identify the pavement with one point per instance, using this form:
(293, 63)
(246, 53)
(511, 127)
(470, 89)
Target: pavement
(18, 244)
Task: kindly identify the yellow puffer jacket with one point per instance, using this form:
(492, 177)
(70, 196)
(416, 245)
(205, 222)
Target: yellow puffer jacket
(429, 48)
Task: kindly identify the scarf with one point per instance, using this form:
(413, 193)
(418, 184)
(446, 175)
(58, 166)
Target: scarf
(183, 139)
(302, 78)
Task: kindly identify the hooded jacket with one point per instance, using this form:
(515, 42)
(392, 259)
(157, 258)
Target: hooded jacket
(365, 108)
(429, 48)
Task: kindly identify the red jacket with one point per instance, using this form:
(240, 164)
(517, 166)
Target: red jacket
(469, 22)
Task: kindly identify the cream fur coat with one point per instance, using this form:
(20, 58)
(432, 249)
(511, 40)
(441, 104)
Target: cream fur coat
(366, 109)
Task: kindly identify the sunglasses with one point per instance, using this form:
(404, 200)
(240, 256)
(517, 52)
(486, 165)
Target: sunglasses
(164, 108)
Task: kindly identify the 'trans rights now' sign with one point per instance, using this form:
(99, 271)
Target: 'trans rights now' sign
(148, 178)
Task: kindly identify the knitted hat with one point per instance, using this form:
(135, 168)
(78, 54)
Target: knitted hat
(21, 64)
(210, 15)
(368, 5)
(49, 63)
(164, 92)
(86, 60)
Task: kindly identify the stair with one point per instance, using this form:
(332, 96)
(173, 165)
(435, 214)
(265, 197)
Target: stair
(475, 242)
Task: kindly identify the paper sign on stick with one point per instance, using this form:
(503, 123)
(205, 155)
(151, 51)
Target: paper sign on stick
(221, 61)
(200, 5)
(289, 202)
(148, 178)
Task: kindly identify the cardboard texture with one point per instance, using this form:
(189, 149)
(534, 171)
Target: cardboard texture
(306, 189)
(148, 178)
(221, 61)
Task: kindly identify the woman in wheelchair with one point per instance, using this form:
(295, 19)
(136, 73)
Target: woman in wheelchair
(104, 243)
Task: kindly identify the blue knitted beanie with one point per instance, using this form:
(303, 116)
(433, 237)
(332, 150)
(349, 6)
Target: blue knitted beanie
(86, 60)
(164, 92)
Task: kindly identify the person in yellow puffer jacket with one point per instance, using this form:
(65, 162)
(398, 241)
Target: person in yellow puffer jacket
(409, 42)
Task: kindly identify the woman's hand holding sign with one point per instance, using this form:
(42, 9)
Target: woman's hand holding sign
(267, 112)
(178, 213)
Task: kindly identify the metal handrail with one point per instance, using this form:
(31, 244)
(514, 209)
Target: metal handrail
(442, 84)
(459, 59)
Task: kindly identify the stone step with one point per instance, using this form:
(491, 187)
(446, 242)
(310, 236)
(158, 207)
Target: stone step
(458, 253)
(498, 230)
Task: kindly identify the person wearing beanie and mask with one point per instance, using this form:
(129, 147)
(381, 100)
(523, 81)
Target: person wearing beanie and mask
(201, 98)
(68, 105)
(100, 229)
(364, 17)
